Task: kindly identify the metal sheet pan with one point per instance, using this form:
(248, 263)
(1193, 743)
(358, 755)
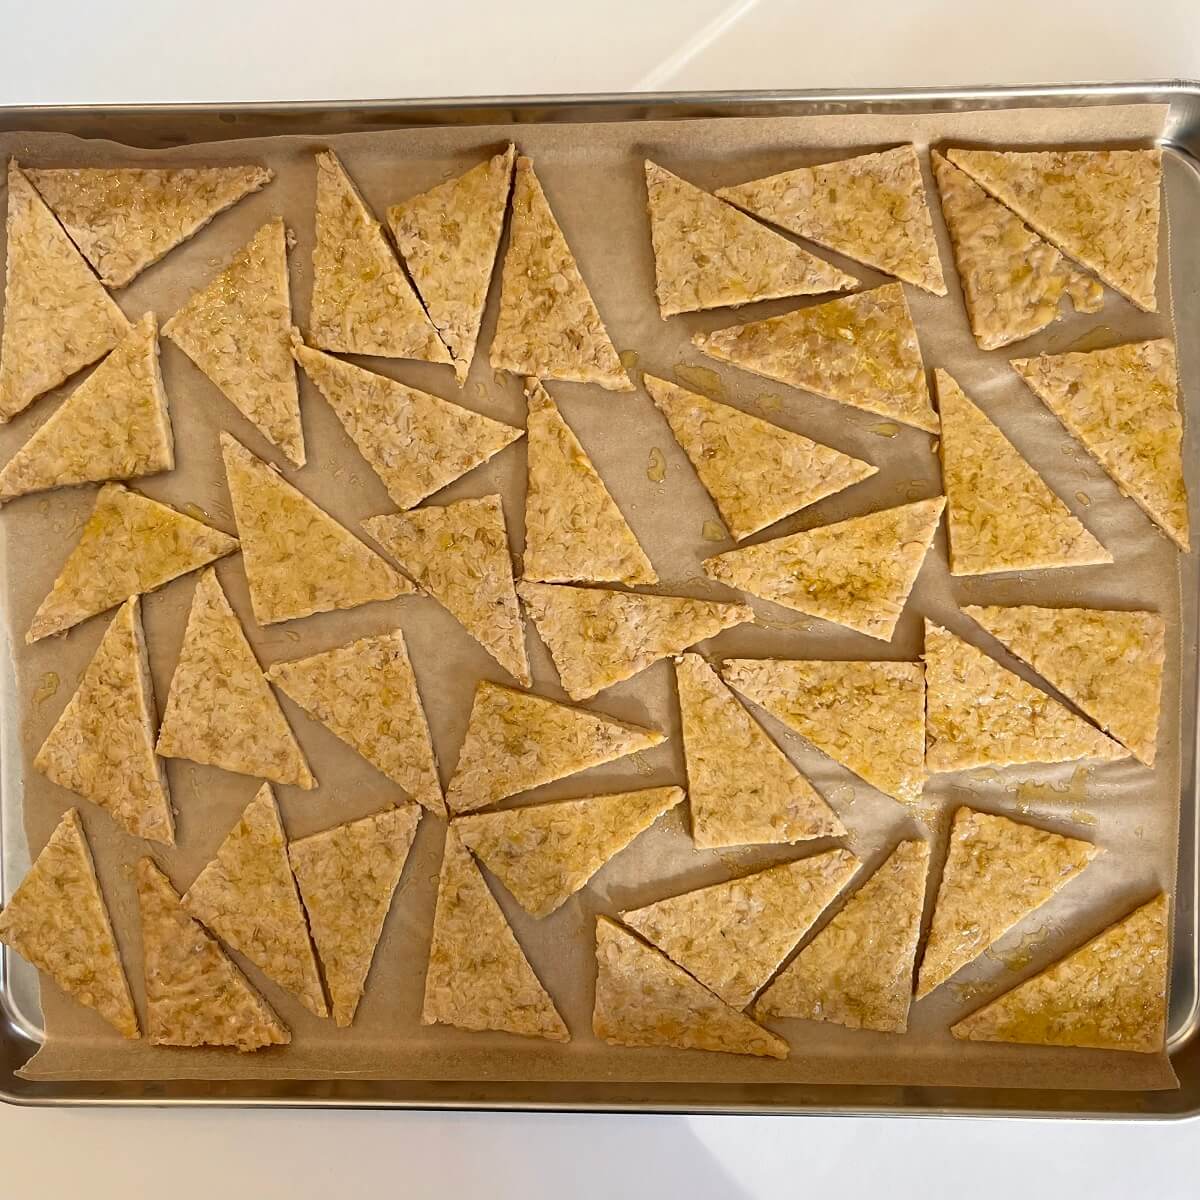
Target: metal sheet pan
(165, 126)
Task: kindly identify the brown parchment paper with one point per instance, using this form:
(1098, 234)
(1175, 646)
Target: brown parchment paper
(593, 177)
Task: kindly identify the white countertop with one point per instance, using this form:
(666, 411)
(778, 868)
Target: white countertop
(91, 51)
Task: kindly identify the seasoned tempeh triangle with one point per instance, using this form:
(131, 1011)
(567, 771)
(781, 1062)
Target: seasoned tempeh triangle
(102, 746)
(114, 425)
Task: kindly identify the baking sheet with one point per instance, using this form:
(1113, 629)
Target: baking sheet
(593, 177)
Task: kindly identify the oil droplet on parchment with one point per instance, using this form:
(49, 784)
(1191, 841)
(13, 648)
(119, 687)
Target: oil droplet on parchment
(193, 510)
(769, 403)
(291, 634)
(702, 379)
(1074, 791)
(640, 765)
(1082, 817)
(712, 531)
(46, 688)
(887, 429)
(629, 359)
(1083, 498)
(656, 466)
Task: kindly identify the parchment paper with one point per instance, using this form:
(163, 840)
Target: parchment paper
(593, 177)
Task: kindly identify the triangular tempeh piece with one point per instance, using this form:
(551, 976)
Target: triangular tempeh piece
(195, 995)
(981, 714)
(756, 472)
(347, 876)
(858, 970)
(129, 545)
(1110, 994)
(298, 559)
(574, 530)
(58, 921)
(707, 254)
(102, 746)
(997, 872)
(57, 316)
(1100, 207)
(871, 208)
(856, 573)
(598, 637)
(366, 693)
(459, 553)
(362, 302)
(644, 999)
(1123, 405)
(1108, 663)
(548, 325)
(114, 425)
(516, 741)
(237, 329)
(449, 237)
(479, 977)
(860, 350)
(544, 853)
(868, 716)
(1012, 280)
(126, 218)
(248, 898)
(733, 936)
(416, 442)
(742, 788)
(1003, 516)
(220, 709)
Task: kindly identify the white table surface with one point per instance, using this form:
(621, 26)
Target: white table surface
(89, 51)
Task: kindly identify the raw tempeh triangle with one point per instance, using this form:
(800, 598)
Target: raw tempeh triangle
(868, 716)
(58, 921)
(544, 853)
(1108, 663)
(860, 350)
(449, 237)
(57, 316)
(195, 995)
(1012, 280)
(347, 876)
(366, 693)
(980, 714)
(248, 898)
(644, 999)
(1100, 207)
(220, 709)
(709, 255)
(1123, 405)
(1003, 516)
(871, 208)
(755, 472)
(459, 553)
(997, 872)
(126, 218)
(362, 302)
(102, 746)
(416, 442)
(548, 325)
(573, 527)
(598, 637)
(516, 741)
(130, 545)
(1110, 994)
(114, 425)
(742, 788)
(479, 977)
(856, 573)
(733, 936)
(857, 971)
(238, 329)
(298, 559)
